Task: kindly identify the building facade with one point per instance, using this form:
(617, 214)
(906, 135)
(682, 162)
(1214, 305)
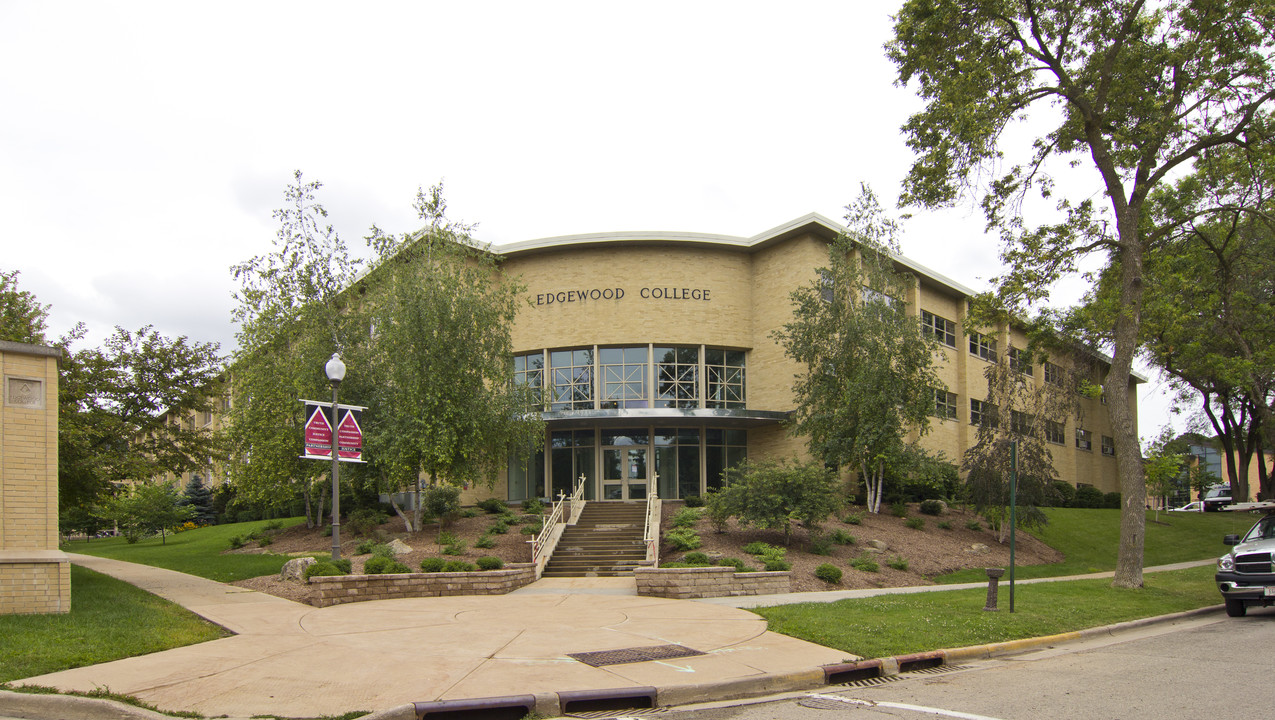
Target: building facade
(657, 366)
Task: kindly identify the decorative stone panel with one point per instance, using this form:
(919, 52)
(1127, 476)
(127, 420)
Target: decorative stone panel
(706, 582)
(339, 589)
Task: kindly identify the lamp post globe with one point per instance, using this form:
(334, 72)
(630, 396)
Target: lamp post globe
(335, 370)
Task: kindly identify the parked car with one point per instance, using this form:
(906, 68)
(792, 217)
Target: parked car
(1217, 497)
(1245, 575)
(1194, 506)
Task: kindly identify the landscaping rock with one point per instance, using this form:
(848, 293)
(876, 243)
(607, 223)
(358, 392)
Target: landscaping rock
(878, 544)
(294, 569)
(399, 547)
(978, 549)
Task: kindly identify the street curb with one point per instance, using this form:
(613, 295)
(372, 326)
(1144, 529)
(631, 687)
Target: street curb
(46, 707)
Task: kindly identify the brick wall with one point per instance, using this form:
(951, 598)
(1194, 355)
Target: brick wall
(340, 589)
(35, 577)
(704, 582)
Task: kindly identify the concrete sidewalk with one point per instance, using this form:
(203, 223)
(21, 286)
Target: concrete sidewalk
(293, 660)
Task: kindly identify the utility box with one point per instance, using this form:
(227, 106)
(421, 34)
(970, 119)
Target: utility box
(35, 577)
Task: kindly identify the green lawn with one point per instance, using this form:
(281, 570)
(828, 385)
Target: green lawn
(894, 624)
(1089, 538)
(109, 620)
(196, 552)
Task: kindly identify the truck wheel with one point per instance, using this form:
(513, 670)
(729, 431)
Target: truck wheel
(1236, 608)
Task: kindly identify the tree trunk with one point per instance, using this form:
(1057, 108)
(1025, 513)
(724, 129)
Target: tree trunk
(407, 521)
(306, 492)
(323, 496)
(1133, 483)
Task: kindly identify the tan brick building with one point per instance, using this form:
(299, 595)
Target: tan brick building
(35, 577)
(655, 356)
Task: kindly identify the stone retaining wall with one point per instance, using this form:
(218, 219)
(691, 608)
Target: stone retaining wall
(335, 590)
(704, 582)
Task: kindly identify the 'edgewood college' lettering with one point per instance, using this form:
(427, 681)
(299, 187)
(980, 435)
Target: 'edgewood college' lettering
(646, 293)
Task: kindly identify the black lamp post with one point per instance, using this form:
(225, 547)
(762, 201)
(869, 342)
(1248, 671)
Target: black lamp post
(336, 373)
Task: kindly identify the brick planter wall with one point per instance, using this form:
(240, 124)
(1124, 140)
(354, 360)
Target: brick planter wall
(704, 582)
(338, 589)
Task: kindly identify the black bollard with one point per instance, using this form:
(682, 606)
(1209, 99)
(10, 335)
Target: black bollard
(993, 579)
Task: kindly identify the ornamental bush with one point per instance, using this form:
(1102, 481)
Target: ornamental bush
(322, 569)
(697, 559)
(486, 542)
(931, 507)
(732, 562)
(770, 495)
(915, 523)
(864, 563)
(493, 505)
(458, 566)
(682, 539)
(432, 565)
(686, 517)
(829, 573)
(693, 501)
(489, 563)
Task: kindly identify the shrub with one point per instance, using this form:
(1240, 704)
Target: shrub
(488, 562)
(397, 568)
(899, 509)
(820, 544)
(441, 501)
(1111, 500)
(364, 520)
(493, 505)
(470, 512)
(446, 538)
(718, 512)
(915, 523)
(864, 563)
(237, 542)
(686, 517)
(1087, 497)
(944, 525)
(432, 565)
(756, 547)
(841, 537)
(533, 507)
(531, 529)
(733, 562)
(974, 525)
(898, 562)
(683, 539)
(365, 547)
(533, 519)
(343, 565)
(485, 542)
(693, 501)
(265, 541)
(458, 566)
(383, 550)
(376, 565)
(456, 548)
(775, 564)
(696, 558)
(769, 495)
(829, 573)
(931, 507)
(272, 526)
(853, 519)
(500, 527)
(322, 569)
(675, 564)
(510, 518)
(773, 553)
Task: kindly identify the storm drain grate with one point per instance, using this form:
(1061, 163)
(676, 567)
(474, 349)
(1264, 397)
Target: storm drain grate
(634, 655)
(869, 682)
(940, 670)
(616, 714)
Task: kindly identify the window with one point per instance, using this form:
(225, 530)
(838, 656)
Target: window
(571, 455)
(876, 296)
(677, 377)
(945, 404)
(1055, 432)
(1021, 422)
(723, 449)
(982, 413)
(983, 346)
(677, 454)
(623, 377)
(529, 371)
(1108, 446)
(572, 373)
(827, 285)
(1084, 439)
(1053, 373)
(940, 329)
(725, 376)
(1021, 361)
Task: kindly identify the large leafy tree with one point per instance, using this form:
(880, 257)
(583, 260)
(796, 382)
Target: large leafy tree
(292, 314)
(1136, 91)
(148, 508)
(127, 410)
(867, 371)
(22, 317)
(440, 398)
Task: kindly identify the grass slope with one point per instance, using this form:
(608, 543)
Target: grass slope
(109, 620)
(1089, 538)
(196, 552)
(895, 624)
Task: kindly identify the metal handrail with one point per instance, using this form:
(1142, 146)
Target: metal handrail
(539, 543)
(577, 500)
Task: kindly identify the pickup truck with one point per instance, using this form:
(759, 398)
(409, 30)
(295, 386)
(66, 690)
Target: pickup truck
(1245, 575)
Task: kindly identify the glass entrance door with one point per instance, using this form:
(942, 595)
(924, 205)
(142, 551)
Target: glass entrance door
(624, 473)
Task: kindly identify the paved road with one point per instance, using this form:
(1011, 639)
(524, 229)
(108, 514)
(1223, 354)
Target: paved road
(1208, 667)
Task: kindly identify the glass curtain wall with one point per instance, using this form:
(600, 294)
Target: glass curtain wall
(572, 372)
(624, 371)
(722, 449)
(725, 375)
(571, 455)
(677, 377)
(677, 455)
(527, 477)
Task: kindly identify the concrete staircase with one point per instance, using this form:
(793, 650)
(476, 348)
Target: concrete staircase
(605, 542)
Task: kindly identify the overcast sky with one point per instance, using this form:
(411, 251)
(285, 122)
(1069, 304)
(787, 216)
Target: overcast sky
(144, 145)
